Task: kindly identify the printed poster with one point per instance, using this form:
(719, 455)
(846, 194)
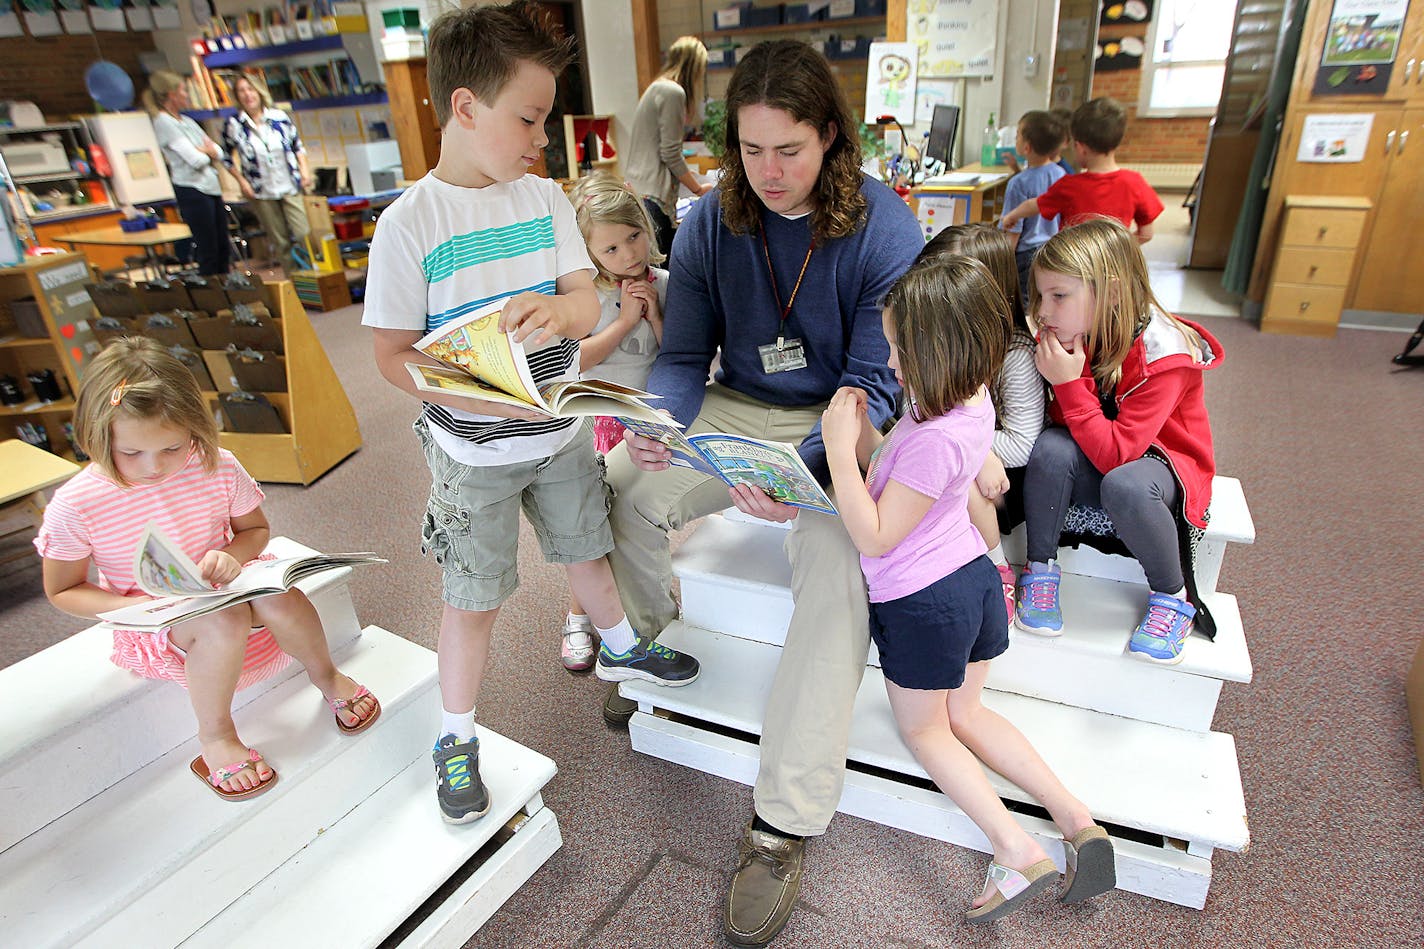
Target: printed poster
(1335, 139)
(955, 37)
(1115, 12)
(890, 82)
(1361, 44)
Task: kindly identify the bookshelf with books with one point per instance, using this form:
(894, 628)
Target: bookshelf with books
(309, 56)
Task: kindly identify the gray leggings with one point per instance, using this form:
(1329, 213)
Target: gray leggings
(1139, 496)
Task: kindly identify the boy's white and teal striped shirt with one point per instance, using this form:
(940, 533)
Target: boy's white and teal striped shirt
(441, 252)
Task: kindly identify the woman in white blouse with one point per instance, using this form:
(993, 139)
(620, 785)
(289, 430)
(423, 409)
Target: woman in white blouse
(193, 162)
(272, 163)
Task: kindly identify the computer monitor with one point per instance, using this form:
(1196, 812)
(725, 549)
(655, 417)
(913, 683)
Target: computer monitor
(942, 129)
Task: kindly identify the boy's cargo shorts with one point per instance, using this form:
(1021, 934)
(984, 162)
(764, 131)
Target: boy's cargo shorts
(472, 518)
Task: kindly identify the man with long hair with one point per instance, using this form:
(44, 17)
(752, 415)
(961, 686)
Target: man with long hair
(781, 274)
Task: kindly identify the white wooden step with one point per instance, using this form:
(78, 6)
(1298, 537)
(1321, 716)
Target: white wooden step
(1231, 523)
(1168, 781)
(1163, 871)
(735, 579)
(73, 724)
(395, 844)
(152, 858)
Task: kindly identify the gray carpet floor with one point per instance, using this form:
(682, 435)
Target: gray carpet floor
(1322, 434)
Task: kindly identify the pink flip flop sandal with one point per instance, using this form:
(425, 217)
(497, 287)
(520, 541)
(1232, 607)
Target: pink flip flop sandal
(1013, 888)
(215, 777)
(341, 705)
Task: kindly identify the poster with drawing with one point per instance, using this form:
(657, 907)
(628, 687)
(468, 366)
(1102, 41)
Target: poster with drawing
(955, 37)
(1361, 44)
(1335, 139)
(890, 81)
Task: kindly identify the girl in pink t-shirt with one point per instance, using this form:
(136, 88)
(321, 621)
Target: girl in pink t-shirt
(936, 604)
(142, 419)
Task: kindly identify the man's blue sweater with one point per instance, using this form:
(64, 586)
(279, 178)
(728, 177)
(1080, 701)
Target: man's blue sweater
(720, 297)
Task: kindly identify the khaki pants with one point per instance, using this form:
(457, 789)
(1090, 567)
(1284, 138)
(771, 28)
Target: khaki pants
(285, 221)
(807, 719)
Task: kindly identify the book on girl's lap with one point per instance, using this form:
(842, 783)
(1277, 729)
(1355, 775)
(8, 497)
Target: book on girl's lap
(775, 467)
(478, 361)
(180, 593)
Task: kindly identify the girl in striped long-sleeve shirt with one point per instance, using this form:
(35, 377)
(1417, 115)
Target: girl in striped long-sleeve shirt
(1018, 393)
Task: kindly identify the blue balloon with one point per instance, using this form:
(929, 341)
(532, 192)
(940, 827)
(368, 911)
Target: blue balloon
(109, 85)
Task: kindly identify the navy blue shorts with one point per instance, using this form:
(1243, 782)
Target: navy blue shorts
(926, 639)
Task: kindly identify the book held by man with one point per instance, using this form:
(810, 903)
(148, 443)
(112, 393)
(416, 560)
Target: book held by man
(479, 361)
(180, 593)
(775, 467)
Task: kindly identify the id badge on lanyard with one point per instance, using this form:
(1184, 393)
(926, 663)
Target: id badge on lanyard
(785, 354)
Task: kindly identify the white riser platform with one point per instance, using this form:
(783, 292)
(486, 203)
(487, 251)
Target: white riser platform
(735, 579)
(1231, 523)
(396, 845)
(110, 868)
(72, 724)
(1164, 873)
(1172, 782)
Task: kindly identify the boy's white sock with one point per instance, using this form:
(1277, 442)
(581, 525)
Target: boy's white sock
(996, 555)
(459, 724)
(618, 639)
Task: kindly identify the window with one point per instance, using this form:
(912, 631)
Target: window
(1186, 59)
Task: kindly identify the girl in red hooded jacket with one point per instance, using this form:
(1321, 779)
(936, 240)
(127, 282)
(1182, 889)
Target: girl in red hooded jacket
(1130, 434)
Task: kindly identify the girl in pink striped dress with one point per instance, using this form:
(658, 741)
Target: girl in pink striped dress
(142, 419)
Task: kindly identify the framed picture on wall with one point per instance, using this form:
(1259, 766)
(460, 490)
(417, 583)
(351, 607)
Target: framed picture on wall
(1113, 55)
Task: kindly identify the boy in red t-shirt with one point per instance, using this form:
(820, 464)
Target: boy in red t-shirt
(1101, 188)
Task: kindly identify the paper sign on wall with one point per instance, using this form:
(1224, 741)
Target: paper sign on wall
(1335, 139)
(954, 37)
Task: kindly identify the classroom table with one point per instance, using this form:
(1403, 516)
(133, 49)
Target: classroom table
(148, 240)
(25, 472)
(975, 195)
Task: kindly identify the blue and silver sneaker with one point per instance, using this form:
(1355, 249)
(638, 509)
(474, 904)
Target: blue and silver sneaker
(647, 660)
(1163, 631)
(1037, 610)
(458, 787)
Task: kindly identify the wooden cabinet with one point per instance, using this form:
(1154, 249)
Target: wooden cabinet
(1388, 278)
(56, 282)
(416, 129)
(1314, 263)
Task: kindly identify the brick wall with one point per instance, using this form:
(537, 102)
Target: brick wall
(1149, 140)
(49, 70)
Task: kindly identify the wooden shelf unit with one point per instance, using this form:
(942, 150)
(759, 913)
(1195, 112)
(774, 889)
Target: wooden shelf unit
(1314, 264)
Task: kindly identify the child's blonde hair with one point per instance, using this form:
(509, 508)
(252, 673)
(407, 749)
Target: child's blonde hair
(135, 377)
(951, 328)
(603, 199)
(1105, 256)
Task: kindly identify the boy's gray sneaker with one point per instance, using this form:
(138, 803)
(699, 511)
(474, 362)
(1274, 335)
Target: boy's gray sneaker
(649, 661)
(458, 787)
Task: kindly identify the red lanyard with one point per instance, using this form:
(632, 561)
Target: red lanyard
(785, 310)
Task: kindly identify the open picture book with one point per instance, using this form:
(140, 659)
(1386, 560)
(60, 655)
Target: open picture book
(775, 467)
(478, 361)
(180, 593)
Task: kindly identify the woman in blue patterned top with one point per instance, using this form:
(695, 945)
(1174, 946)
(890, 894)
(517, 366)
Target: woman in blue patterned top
(262, 142)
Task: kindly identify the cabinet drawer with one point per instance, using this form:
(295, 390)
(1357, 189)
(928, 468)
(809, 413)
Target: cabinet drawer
(1298, 303)
(1314, 266)
(1323, 227)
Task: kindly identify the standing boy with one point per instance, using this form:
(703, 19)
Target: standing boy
(477, 229)
(1041, 136)
(1101, 188)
